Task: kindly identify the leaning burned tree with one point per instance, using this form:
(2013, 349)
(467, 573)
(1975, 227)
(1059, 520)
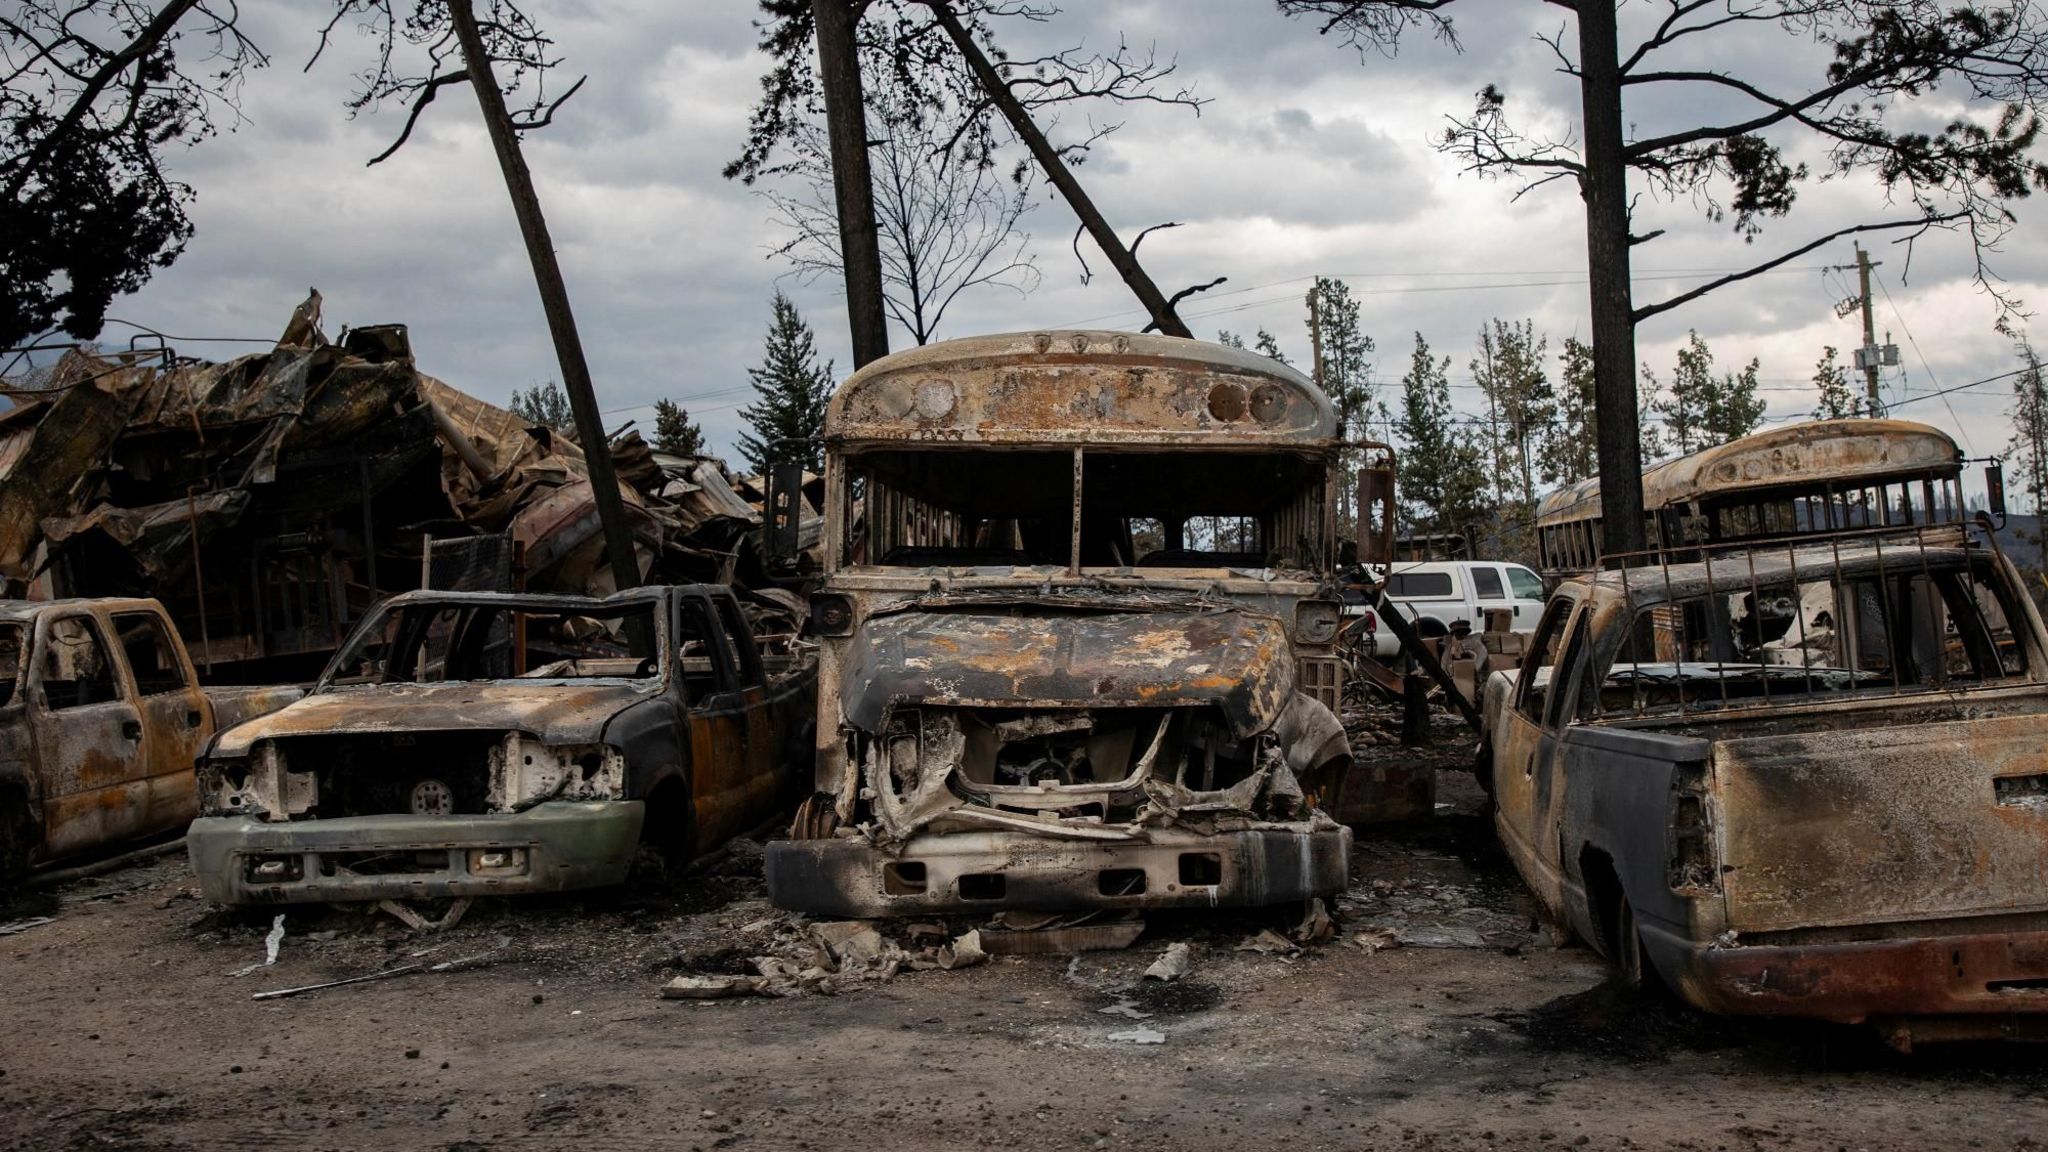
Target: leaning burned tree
(911, 122)
(1884, 74)
(446, 43)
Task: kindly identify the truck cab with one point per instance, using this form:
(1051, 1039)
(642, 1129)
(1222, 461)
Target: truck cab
(101, 717)
(473, 743)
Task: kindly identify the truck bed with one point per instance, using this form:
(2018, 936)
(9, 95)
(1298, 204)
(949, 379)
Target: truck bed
(1878, 809)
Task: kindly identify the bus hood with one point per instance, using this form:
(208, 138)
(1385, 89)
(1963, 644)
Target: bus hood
(989, 656)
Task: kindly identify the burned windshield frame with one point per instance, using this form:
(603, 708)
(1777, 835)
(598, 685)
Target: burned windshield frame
(1144, 506)
(466, 632)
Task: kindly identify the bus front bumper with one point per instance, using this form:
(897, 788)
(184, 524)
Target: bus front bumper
(989, 871)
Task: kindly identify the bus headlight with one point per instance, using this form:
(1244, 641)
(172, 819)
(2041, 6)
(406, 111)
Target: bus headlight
(1315, 621)
(831, 614)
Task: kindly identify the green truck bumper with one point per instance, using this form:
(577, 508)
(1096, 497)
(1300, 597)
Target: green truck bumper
(547, 848)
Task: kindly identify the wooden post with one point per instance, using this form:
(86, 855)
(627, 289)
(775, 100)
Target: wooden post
(1062, 177)
(846, 129)
(1604, 185)
(554, 298)
(1870, 357)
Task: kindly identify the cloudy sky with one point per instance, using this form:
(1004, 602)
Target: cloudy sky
(1309, 159)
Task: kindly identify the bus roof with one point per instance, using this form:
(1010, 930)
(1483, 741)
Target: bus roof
(1081, 386)
(1852, 451)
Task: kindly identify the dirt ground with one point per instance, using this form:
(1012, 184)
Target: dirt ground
(130, 1025)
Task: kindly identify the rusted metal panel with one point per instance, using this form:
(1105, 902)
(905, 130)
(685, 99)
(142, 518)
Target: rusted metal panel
(1864, 824)
(1237, 661)
(1101, 387)
(72, 435)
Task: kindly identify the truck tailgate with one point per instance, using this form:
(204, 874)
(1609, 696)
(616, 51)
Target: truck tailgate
(1880, 824)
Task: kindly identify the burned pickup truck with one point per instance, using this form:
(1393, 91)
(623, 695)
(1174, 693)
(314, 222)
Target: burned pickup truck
(468, 744)
(1075, 633)
(100, 718)
(1807, 778)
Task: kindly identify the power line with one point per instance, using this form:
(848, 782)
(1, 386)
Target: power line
(1572, 277)
(1931, 379)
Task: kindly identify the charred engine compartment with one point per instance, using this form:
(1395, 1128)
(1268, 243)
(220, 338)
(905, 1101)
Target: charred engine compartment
(430, 773)
(1080, 767)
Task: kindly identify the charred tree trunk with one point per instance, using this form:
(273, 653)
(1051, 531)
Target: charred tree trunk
(554, 298)
(846, 128)
(1062, 177)
(1604, 184)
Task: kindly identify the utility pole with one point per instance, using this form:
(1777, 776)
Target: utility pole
(1315, 340)
(853, 192)
(1869, 329)
(554, 298)
(1872, 355)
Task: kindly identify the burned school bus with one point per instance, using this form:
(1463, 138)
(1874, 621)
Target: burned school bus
(1076, 619)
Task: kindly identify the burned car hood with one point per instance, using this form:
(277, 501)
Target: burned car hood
(1235, 659)
(557, 714)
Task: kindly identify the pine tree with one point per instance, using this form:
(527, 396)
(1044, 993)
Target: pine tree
(2029, 448)
(785, 423)
(1571, 452)
(545, 405)
(1520, 405)
(1340, 362)
(1264, 344)
(1837, 399)
(1701, 409)
(2029, 416)
(675, 432)
(1443, 476)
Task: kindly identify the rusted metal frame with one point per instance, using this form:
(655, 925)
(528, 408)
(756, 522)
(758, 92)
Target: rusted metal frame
(837, 511)
(198, 574)
(369, 531)
(1678, 614)
(1756, 618)
(1941, 637)
(1799, 618)
(1884, 611)
(1074, 527)
(1714, 607)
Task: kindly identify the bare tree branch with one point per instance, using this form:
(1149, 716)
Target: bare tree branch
(1922, 224)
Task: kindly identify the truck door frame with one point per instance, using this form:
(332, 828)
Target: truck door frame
(174, 726)
(89, 755)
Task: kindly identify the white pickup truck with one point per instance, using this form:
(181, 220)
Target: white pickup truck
(1437, 594)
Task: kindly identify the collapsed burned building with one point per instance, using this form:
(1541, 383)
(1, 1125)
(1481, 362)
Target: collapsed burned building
(270, 500)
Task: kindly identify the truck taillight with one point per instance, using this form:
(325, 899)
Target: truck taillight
(1693, 871)
(1372, 622)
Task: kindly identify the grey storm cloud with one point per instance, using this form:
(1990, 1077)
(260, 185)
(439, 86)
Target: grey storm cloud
(1311, 158)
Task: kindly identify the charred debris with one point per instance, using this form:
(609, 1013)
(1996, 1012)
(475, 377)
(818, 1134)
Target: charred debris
(270, 500)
